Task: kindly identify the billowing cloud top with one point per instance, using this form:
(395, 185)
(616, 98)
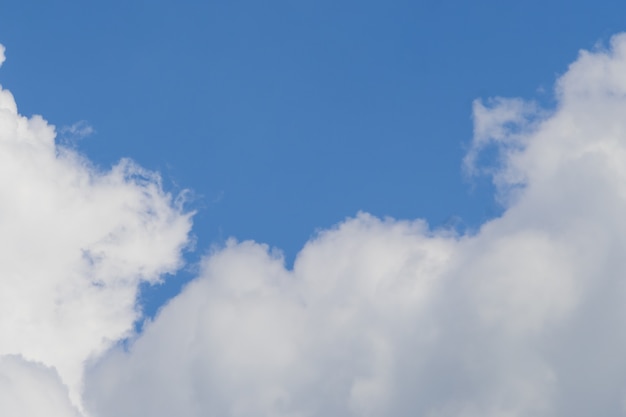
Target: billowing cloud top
(526, 317)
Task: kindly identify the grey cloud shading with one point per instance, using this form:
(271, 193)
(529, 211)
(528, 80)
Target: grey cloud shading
(29, 389)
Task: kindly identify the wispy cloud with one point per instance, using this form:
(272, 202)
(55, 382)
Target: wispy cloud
(75, 132)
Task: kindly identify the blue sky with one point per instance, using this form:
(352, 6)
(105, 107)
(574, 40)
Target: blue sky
(289, 122)
(286, 117)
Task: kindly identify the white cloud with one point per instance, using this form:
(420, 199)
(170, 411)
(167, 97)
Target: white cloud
(75, 243)
(389, 318)
(2, 57)
(250, 338)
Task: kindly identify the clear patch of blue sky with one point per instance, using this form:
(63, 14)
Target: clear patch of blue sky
(285, 117)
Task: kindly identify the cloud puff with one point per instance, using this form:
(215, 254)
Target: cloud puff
(389, 318)
(75, 243)
(2, 57)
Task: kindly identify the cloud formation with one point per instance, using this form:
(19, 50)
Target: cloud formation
(75, 243)
(389, 318)
(377, 317)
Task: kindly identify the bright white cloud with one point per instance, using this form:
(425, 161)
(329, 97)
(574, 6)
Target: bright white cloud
(389, 318)
(75, 243)
(2, 57)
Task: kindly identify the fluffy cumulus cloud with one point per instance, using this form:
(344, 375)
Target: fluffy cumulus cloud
(75, 243)
(377, 317)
